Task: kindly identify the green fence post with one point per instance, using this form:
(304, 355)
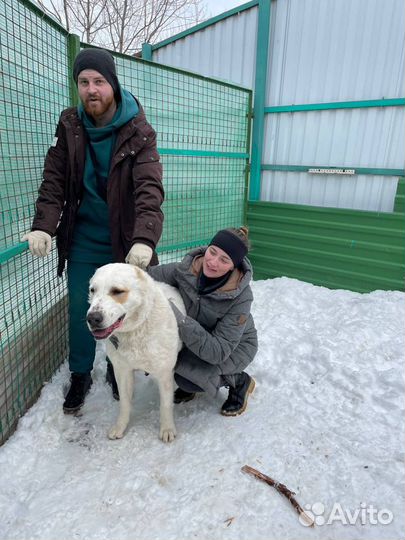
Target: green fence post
(249, 115)
(262, 53)
(73, 50)
(147, 51)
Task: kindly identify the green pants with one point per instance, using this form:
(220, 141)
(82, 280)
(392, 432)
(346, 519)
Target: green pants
(82, 345)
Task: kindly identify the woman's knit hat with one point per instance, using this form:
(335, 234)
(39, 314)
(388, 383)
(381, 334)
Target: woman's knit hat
(233, 245)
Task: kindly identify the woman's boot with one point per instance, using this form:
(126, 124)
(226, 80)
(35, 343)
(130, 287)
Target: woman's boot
(238, 395)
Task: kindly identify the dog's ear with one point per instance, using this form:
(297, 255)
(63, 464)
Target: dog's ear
(140, 274)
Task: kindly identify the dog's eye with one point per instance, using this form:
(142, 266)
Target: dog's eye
(116, 291)
(91, 290)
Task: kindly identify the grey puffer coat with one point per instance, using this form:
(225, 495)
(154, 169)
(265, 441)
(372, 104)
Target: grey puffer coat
(218, 333)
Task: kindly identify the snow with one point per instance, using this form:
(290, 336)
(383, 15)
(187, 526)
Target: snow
(326, 419)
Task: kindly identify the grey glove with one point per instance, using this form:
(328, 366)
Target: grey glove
(180, 317)
(39, 242)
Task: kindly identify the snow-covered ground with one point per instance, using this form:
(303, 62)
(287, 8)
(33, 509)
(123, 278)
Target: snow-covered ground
(326, 419)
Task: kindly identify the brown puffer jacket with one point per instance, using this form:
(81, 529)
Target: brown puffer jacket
(134, 188)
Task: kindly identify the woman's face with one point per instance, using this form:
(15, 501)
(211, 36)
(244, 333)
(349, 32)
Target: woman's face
(216, 262)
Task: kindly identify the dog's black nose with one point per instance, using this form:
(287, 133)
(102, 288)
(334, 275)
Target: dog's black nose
(95, 318)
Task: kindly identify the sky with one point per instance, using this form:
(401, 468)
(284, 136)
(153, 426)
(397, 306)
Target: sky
(212, 8)
(326, 419)
(216, 7)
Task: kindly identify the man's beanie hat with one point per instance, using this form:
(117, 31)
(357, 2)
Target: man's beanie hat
(233, 246)
(100, 60)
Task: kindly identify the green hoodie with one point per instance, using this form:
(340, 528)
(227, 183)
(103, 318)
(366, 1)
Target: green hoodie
(91, 237)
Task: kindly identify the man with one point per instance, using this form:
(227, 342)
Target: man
(101, 195)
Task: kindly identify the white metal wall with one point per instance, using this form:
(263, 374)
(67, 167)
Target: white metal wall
(225, 50)
(324, 51)
(362, 137)
(320, 51)
(335, 50)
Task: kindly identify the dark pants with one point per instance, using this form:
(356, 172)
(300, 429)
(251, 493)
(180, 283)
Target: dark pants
(82, 344)
(186, 385)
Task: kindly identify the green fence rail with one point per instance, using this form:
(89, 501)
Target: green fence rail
(203, 137)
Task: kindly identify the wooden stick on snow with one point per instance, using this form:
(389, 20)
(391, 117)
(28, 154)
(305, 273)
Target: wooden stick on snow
(281, 488)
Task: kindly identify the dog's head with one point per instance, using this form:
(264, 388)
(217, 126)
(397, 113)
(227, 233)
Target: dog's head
(116, 294)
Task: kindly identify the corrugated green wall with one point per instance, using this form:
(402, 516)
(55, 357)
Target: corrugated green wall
(333, 247)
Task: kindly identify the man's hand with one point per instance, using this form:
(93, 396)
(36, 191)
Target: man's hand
(139, 255)
(39, 242)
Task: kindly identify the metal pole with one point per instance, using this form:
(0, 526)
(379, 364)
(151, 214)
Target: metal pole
(262, 52)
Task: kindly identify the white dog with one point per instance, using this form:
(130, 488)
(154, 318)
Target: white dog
(132, 313)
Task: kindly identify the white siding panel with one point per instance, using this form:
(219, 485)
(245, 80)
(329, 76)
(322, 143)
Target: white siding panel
(345, 138)
(363, 192)
(328, 50)
(225, 50)
(340, 139)
(320, 51)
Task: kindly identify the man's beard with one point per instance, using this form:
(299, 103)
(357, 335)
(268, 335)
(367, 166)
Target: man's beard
(98, 107)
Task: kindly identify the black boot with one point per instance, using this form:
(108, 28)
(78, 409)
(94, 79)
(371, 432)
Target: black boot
(238, 395)
(110, 379)
(80, 384)
(181, 396)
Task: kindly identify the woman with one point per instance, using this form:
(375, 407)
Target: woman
(218, 332)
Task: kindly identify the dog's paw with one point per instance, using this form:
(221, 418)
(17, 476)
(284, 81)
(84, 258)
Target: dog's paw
(167, 434)
(116, 432)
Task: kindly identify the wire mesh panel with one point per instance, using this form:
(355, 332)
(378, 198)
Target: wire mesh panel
(34, 66)
(202, 128)
(33, 91)
(33, 335)
(199, 199)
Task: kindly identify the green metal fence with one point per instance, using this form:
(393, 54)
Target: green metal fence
(203, 138)
(331, 247)
(32, 300)
(202, 130)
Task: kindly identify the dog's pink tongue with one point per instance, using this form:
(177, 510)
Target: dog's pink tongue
(105, 332)
(102, 334)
